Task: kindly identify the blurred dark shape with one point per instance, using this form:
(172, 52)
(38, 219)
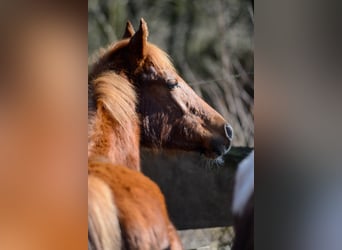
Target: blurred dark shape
(298, 202)
(243, 205)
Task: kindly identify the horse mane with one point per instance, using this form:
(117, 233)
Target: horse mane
(116, 95)
(104, 60)
(159, 58)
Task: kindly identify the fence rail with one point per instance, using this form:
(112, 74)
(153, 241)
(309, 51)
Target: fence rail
(198, 193)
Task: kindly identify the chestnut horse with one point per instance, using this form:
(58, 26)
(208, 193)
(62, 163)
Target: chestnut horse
(137, 98)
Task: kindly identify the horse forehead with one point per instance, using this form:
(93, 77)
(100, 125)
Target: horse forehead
(170, 74)
(154, 73)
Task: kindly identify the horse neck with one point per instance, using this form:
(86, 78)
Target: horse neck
(108, 138)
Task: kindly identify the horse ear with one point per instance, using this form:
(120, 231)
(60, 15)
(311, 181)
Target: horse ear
(129, 31)
(138, 41)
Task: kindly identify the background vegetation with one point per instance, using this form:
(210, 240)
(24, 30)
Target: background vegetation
(210, 42)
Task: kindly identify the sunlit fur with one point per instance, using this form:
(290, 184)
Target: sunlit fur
(103, 219)
(113, 123)
(117, 96)
(141, 208)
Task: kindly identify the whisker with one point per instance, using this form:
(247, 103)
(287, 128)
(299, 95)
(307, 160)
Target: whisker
(211, 164)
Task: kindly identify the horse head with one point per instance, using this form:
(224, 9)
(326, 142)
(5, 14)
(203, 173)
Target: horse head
(172, 115)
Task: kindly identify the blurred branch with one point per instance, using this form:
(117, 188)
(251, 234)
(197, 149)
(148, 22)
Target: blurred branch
(103, 22)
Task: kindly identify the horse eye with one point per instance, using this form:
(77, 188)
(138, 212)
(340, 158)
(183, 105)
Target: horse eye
(171, 84)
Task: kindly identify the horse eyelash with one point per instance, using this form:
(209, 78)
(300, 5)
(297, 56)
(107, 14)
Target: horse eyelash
(171, 85)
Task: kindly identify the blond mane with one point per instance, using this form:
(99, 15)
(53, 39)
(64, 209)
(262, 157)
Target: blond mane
(160, 59)
(117, 96)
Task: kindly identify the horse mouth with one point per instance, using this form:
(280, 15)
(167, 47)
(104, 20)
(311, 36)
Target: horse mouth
(217, 152)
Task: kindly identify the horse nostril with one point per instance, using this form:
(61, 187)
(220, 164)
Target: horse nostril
(229, 131)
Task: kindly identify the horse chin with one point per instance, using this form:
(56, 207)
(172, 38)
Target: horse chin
(217, 157)
(220, 159)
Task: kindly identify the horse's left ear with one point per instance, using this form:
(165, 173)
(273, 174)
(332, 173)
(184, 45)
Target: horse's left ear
(129, 31)
(138, 41)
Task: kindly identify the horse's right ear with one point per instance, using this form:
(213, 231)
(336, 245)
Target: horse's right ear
(138, 42)
(129, 31)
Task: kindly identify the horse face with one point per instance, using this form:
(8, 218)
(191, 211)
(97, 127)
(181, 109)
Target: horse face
(172, 115)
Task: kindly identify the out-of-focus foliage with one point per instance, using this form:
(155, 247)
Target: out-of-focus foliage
(210, 43)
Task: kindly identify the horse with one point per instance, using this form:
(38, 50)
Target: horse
(136, 98)
(243, 205)
(172, 116)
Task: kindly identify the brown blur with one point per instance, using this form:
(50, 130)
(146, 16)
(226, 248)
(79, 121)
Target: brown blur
(43, 127)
